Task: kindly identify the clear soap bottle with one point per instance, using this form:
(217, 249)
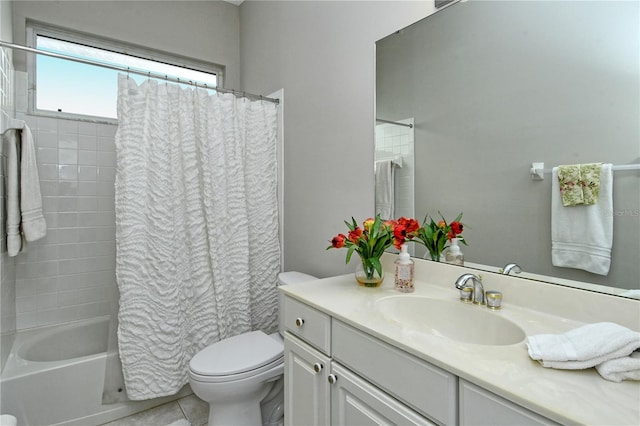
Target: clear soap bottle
(404, 271)
(454, 254)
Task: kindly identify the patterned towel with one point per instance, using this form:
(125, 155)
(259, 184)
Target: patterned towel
(579, 184)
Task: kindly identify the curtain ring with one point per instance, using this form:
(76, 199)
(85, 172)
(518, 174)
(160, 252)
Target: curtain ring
(166, 80)
(127, 73)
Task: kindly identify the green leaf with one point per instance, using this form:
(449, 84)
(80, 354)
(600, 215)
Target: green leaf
(377, 265)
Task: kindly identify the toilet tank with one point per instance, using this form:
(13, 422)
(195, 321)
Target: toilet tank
(289, 278)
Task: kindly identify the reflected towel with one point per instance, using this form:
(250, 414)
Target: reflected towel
(579, 184)
(583, 347)
(625, 368)
(582, 237)
(384, 188)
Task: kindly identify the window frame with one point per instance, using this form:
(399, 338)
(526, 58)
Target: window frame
(35, 29)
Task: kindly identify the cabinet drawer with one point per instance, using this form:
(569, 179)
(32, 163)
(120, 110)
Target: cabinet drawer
(481, 407)
(309, 324)
(426, 388)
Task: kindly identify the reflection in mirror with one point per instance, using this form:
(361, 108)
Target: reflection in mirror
(394, 170)
(494, 86)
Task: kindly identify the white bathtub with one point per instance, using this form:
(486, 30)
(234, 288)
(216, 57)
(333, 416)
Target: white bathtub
(55, 375)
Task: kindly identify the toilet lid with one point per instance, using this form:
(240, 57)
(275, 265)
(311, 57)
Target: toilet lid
(236, 354)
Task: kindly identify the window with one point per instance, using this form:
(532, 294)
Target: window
(65, 88)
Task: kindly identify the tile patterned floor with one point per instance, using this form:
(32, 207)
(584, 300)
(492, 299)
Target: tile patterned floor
(189, 410)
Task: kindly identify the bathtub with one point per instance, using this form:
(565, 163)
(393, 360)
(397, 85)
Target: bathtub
(54, 375)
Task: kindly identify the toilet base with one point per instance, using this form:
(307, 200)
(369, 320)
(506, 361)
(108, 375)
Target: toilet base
(247, 411)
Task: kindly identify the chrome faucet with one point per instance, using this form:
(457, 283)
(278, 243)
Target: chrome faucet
(478, 290)
(511, 267)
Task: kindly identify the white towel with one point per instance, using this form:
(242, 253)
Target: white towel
(384, 183)
(14, 236)
(25, 221)
(34, 226)
(583, 347)
(625, 368)
(582, 236)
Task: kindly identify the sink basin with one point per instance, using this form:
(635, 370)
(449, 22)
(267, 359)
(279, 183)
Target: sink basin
(454, 320)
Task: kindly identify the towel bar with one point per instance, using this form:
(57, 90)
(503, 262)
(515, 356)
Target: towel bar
(12, 123)
(537, 169)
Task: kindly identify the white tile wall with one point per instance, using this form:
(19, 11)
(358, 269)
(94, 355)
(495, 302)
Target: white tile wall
(70, 274)
(7, 270)
(399, 140)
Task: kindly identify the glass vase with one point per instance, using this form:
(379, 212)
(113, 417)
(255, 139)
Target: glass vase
(367, 275)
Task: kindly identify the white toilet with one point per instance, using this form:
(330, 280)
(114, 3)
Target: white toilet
(241, 377)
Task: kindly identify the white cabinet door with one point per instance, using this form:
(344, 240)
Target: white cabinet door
(306, 389)
(479, 407)
(355, 402)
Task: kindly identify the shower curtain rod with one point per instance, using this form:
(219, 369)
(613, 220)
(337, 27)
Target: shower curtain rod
(146, 73)
(395, 122)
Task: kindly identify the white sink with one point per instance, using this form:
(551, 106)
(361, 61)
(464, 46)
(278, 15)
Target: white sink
(454, 320)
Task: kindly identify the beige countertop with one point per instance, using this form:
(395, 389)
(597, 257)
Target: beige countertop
(565, 396)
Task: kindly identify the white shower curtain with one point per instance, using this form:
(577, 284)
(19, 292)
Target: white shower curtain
(196, 227)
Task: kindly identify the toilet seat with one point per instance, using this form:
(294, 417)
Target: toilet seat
(236, 358)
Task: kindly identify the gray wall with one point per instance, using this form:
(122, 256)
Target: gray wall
(495, 86)
(323, 54)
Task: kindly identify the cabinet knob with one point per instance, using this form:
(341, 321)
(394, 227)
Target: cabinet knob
(299, 322)
(332, 378)
(317, 367)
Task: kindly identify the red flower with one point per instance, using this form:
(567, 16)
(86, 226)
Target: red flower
(456, 228)
(398, 242)
(338, 241)
(355, 235)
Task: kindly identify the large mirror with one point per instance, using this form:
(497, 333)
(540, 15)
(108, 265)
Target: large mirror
(494, 86)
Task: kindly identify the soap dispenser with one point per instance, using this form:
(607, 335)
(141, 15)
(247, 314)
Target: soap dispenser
(404, 271)
(454, 254)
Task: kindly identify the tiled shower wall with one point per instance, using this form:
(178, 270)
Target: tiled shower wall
(7, 270)
(69, 274)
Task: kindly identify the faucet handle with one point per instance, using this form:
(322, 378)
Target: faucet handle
(511, 267)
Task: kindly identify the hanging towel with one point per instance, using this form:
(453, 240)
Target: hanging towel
(581, 237)
(25, 220)
(384, 188)
(625, 368)
(579, 184)
(583, 347)
(34, 226)
(14, 236)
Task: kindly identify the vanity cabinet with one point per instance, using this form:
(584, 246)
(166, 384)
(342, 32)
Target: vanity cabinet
(481, 407)
(355, 401)
(336, 374)
(306, 388)
(322, 390)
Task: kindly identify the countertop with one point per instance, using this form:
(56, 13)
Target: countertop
(565, 396)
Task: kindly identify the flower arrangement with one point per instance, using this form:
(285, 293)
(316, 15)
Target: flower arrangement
(370, 241)
(435, 236)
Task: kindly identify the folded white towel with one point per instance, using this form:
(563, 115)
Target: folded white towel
(384, 183)
(582, 236)
(583, 347)
(625, 368)
(34, 226)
